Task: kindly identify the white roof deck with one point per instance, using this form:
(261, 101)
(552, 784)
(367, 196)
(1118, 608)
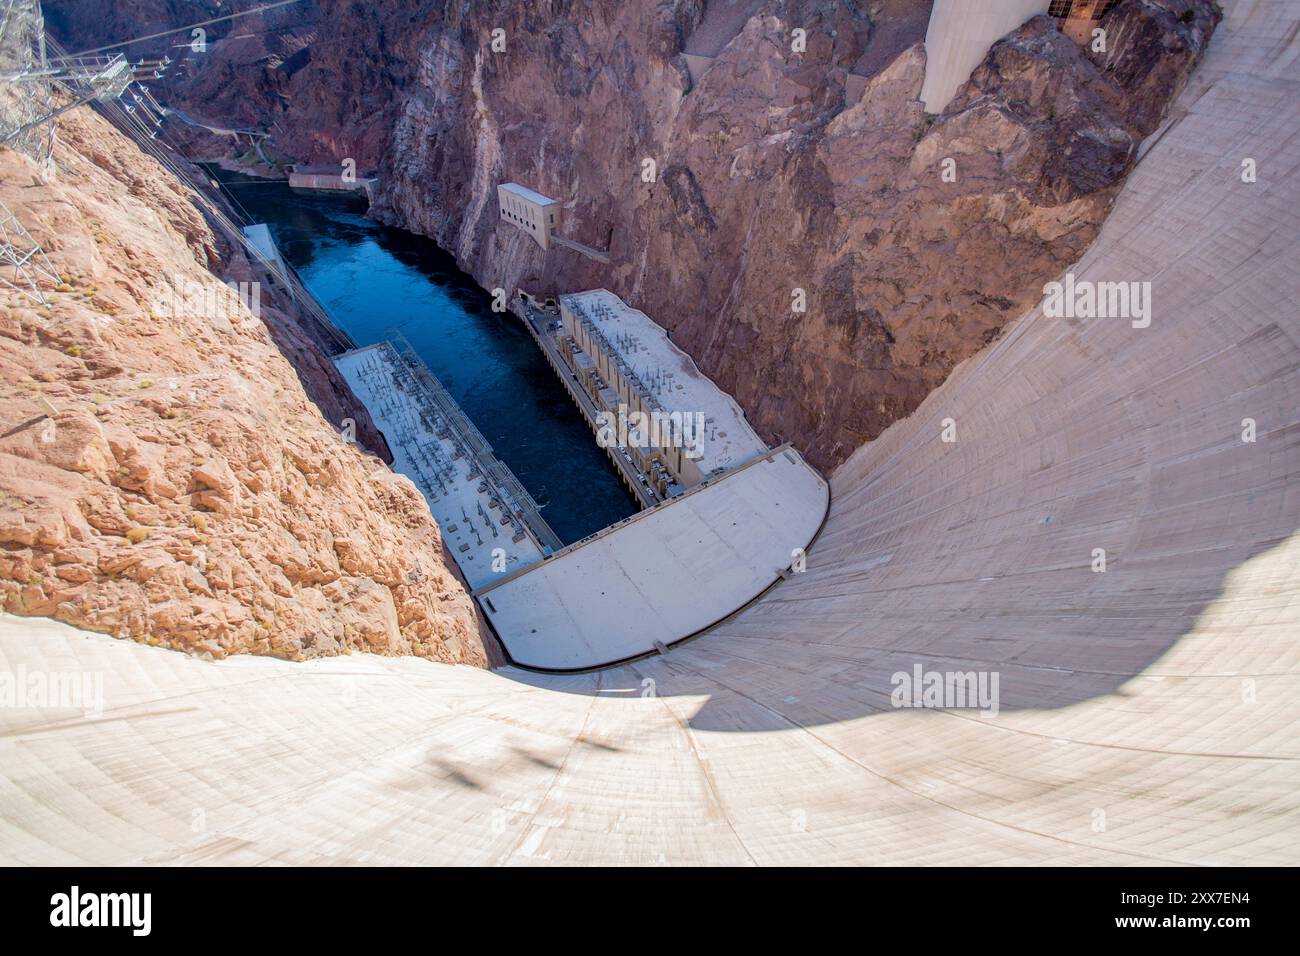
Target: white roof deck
(672, 378)
(664, 574)
(458, 505)
(523, 192)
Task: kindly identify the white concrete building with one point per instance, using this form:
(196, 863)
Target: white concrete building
(959, 37)
(530, 211)
(662, 575)
(622, 357)
(259, 235)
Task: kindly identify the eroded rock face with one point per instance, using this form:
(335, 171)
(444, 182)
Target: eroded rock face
(165, 475)
(905, 274)
(767, 180)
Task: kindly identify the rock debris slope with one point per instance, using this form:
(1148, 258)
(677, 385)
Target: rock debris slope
(1148, 713)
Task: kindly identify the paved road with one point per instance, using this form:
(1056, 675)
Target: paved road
(219, 130)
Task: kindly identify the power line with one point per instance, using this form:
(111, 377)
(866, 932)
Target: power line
(330, 337)
(316, 321)
(204, 23)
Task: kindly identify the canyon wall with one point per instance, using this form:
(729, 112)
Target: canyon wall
(782, 177)
(769, 187)
(171, 469)
(191, 494)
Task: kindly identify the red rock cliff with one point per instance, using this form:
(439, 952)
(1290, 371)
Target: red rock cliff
(164, 472)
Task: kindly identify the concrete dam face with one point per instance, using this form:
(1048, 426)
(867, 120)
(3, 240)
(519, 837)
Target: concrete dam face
(1092, 526)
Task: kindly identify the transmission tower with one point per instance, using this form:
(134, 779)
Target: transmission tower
(26, 89)
(23, 263)
(39, 81)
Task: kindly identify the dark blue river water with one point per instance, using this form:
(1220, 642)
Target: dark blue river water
(371, 278)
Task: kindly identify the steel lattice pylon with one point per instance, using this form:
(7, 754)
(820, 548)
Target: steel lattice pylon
(26, 107)
(23, 263)
(39, 81)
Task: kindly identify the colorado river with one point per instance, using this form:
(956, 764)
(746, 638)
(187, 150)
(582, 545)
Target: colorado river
(371, 278)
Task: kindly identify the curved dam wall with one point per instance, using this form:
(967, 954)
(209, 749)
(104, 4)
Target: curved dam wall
(1147, 713)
